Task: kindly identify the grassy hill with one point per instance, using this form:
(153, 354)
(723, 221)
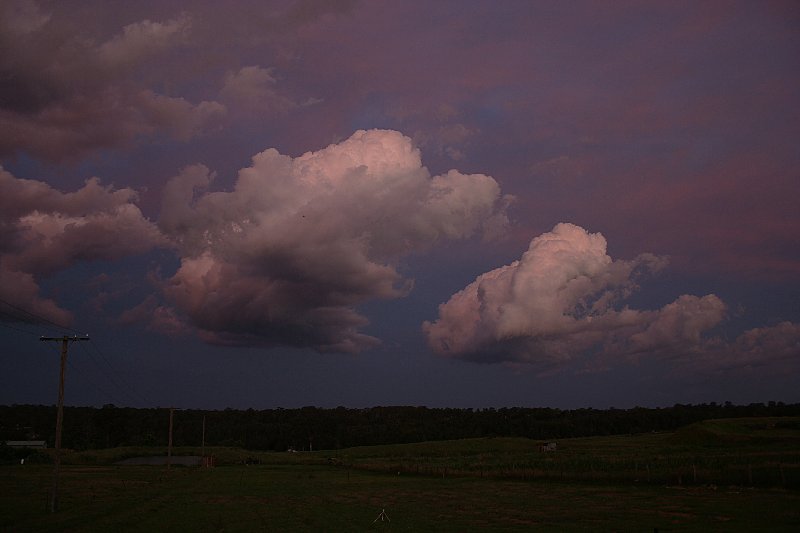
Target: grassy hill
(771, 431)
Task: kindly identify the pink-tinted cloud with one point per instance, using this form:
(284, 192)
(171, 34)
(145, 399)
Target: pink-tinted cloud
(549, 307)
(43, 230)
(20, 289)
(286, 256)
(562, 301)
(156, 317)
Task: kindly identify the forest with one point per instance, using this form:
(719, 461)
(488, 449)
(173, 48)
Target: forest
(312, 428)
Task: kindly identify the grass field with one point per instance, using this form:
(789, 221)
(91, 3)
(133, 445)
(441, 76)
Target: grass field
(477, 484)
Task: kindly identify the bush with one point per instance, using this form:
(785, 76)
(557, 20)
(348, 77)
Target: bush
(38, 457)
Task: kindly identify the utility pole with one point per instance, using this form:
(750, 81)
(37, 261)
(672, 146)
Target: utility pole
(65, 340)
(169, 443)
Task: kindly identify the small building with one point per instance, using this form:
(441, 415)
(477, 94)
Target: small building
(548, 447)
(39, 444)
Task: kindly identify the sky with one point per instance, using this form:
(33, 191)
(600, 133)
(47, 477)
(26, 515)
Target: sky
(350, 203)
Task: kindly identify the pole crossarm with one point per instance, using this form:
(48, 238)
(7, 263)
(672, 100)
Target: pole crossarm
(66, 338)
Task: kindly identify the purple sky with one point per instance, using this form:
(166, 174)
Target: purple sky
(464, 204)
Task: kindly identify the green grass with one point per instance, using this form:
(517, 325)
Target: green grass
(474, 484)
(223, 455)
(761, 452)
(307, 497)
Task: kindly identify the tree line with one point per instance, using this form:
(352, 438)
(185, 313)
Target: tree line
(312, 428)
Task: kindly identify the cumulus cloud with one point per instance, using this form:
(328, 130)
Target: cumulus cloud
(43, 230)
(563, 303)
(286, 256)
(561, 300)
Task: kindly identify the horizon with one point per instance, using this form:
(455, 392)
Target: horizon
(725, 405)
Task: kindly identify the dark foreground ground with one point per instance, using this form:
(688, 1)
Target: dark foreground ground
(716, 477)
(316, 498)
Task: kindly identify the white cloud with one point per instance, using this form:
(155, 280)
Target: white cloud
(286, 255)
(563, 303)
(562, 300)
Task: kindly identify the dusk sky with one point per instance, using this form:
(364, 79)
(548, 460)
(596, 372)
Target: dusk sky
(361, 203)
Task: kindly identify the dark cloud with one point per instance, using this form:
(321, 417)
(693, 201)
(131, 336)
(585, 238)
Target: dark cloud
(64, 95)
(43, 230)
(286, 256)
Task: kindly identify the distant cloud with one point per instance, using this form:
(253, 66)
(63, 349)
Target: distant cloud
(43, 230)
(777, 345)
(253, 90)
(563, 300)
(63, 95)
(177, 116)
(22, 16)
(286, 256)
(447, 140)
(157, 318)
(142, 39)
(781, 341)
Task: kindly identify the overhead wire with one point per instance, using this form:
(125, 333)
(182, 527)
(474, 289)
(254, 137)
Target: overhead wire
(21, 315)
(32, 318)
(112, 374)
(84, 376)
(113, 399)
(9, 326)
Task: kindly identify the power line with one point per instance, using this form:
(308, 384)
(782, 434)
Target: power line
(84, 376)
(112, 374)
(88, 380)
(19, 314)
(9, 326)
(31, 317)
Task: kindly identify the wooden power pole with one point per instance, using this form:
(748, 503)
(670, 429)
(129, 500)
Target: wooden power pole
(169, 443)
(65, 340)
